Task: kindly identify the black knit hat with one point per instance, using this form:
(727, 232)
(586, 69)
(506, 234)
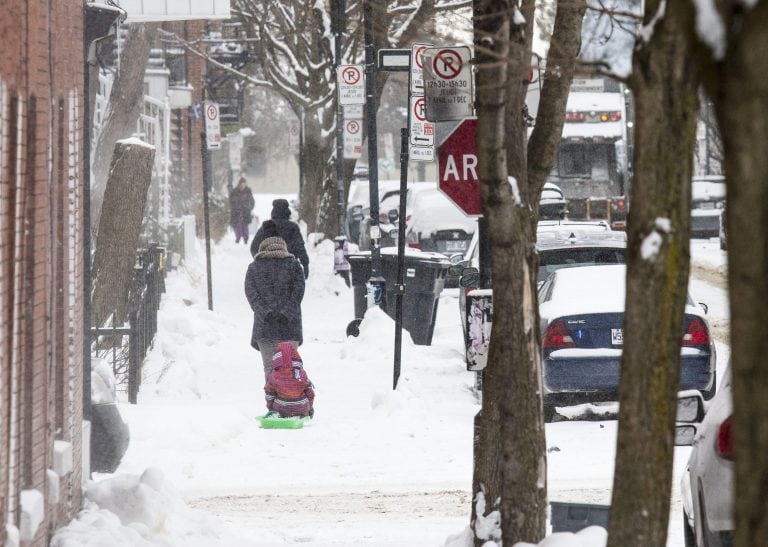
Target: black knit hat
(281, 209)
(269, 229)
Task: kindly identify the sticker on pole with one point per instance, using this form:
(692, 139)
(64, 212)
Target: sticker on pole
(353, 139)
(417, 68)
(351, 84)
(212, 127)
(422, 132)
(353, 112)
(448, 83)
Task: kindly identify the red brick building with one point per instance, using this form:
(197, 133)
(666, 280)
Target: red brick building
(41, 267)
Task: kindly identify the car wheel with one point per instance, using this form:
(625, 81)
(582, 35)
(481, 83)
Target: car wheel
(688, 535)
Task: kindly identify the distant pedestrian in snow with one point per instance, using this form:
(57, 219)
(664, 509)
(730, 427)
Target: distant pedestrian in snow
(241, 205)
(288, 230)
(288, 390)
(274, 286)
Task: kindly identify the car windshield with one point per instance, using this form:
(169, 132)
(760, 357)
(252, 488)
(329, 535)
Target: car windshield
(554, 259)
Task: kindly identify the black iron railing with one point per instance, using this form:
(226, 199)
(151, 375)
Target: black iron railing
(129, 344)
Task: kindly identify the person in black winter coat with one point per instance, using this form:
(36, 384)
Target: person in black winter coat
(274, 286)
(241, 205)
(286, 229)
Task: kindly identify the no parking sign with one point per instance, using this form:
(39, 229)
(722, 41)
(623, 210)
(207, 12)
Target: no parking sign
(351, 84)
(353, 139)
(448, 83)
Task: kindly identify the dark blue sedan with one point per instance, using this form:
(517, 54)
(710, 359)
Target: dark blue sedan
(582, 315)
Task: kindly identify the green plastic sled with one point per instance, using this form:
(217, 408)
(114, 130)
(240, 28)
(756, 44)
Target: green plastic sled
(275, 422)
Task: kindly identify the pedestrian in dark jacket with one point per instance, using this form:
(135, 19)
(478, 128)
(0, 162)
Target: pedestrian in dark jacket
(288, 390)
(274, 286)
(241, 205)
(288, 230)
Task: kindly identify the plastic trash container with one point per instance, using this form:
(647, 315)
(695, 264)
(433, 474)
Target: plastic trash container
(572, 517)
(424, 278)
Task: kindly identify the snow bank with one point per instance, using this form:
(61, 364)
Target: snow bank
(134, 511)
(593, 536)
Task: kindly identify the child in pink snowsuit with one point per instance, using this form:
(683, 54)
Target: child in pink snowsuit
(288, 390)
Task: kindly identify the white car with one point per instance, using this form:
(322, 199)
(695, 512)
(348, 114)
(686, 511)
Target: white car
(434, 223)
(707, 484)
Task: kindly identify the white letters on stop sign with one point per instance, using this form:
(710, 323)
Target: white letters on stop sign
(468, 165)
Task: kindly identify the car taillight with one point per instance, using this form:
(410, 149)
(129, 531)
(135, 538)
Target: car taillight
(383, 218)
(558, 336)
(697, 334)
(724, 440)
(407, 218)
(413, 245)
(620, 204)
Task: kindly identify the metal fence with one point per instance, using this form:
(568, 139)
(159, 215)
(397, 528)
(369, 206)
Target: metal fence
(129, 344)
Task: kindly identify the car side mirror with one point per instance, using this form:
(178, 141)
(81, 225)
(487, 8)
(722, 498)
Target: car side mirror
(457, 270)
(456, 258)
(470, 278)
(704, 307)
(685, 434)
(393, 215)
(690, 406)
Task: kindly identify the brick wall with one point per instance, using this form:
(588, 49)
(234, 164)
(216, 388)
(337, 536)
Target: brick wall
(41, 136)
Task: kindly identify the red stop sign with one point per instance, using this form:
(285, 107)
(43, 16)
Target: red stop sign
(457, 168)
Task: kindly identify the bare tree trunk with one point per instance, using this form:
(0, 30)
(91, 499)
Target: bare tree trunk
(665, 80)
(318, 171)
(739, 89)
(510, 465)
(125, 199)
(510, 458)
(124, 107)
(491, 26)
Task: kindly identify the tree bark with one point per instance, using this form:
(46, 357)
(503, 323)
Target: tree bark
(665, 80)
(510, 459)
(739, 89)
(510, 464)
(123, 109)
(120, 224)
(491, 36)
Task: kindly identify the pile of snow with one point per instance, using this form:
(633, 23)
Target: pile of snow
(134, 511)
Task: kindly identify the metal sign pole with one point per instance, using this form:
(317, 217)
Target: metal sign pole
(400, 287)
(339, 23)
(206, 216)
(376, 282)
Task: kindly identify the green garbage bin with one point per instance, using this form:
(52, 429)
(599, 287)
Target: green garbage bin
(424, 280)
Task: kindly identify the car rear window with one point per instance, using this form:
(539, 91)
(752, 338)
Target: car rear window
(551, 260)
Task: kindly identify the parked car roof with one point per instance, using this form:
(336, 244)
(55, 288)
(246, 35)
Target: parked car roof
(430, 210)
(564, 230)
(708, 188)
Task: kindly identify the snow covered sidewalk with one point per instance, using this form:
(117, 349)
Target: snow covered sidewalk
(375, 467)
(202, 388)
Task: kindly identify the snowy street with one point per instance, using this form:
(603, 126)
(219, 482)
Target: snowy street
(375, 466)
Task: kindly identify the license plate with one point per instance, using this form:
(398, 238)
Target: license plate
(456, 245)
(707, 205)
(617, 337)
